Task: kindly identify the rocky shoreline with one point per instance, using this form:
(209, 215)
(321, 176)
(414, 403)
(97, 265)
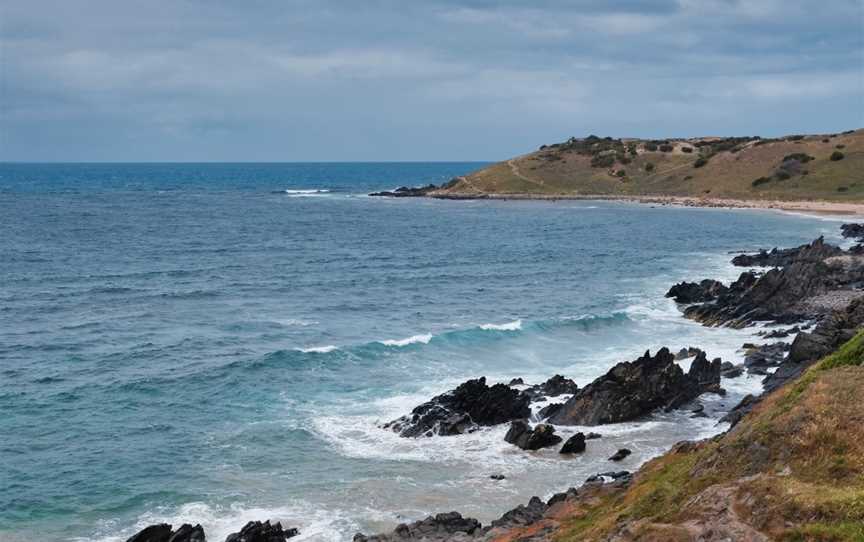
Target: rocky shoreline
(812, 293)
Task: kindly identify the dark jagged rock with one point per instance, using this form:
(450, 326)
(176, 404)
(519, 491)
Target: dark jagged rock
(620, 454)
(808, 347)
(741, 409)
(766, 355)
(522, 514)
(818, 250)
(188, 533)
(592, 436)
(256, 531)
(497, 477)
(438, 528)
(153, 533)
(574, 444)
(520, 434)
(852, 231)
(611, 476)
(728, 370)
(564, 496)
(688, 352)
(634, 389)
(406, 192)
(692, 292)
(549, 410)
(782, 333)
(803, 287)
(462, 410)
(555, 386)
(516, 382)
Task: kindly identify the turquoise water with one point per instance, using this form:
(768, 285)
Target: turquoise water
(216, 342)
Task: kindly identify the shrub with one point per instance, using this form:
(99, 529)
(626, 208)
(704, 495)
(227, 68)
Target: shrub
(621, 173)
(665, 148)
(624, 160)
(649, 167)
(651, 146)
(795, 138)
(701, 161)
(761, 181)
(603, 160)
(783, 175)
(687, 149)
(842, 188)
(826, 140)
(841, 146)
(799, 156)
(631, 148)
(688, 177)
(836, 155)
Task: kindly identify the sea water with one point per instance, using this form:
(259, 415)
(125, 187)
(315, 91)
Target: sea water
(219, 343)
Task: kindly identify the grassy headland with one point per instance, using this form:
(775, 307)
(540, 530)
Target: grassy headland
(826, 167)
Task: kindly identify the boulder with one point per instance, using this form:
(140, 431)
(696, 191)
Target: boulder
(549, 410)
(574, 444)
(256, 531)
(462, 410)
(520, 434)
(522, 514)
(592, 436)
(611, 476)
(766, 355)
(634, 389)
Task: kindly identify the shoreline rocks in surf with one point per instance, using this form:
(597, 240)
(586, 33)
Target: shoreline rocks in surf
(254, 531)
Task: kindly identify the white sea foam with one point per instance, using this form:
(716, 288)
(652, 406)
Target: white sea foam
(414, 339)
(515, 325)
(318, 349)
(314, 521)
(309, 191)
(291, 322)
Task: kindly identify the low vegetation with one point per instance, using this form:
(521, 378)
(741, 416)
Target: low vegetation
(791, 470)
(825, 166)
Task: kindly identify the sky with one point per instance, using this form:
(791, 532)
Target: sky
(353, 80)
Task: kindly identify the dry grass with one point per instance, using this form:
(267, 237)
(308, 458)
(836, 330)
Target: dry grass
(726, 175)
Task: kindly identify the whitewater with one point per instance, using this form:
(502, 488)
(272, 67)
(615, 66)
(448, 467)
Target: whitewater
(218, 343)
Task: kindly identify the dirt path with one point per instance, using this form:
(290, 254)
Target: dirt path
(515, 169)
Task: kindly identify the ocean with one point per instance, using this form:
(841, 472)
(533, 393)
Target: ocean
(218, 343)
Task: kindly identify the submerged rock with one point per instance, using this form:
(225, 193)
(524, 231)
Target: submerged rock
(620, 454)
(462, 410)
(520, 434)
(256, 531)
(634, 389)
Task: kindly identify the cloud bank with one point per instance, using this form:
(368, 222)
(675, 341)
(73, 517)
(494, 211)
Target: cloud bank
(392, 80)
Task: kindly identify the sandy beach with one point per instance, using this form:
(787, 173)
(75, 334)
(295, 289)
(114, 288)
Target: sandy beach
(815, 207)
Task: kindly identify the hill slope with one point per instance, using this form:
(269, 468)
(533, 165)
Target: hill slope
(793, 469)
(825, 167)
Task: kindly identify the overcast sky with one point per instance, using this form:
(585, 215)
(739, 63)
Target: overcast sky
(295, 80)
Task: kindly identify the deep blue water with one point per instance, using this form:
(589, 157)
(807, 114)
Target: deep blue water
(190, 342)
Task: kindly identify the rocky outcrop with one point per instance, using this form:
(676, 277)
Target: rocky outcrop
(462, 410)
(406, 192)
(818, 250)
(634, 389)
(162, 533)
(439, 528)
(692, 292)
(808, 347)
(812, 278)
(852, 231)
(542, 436)
(256, 531)
(765, 355)
(620, 454)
